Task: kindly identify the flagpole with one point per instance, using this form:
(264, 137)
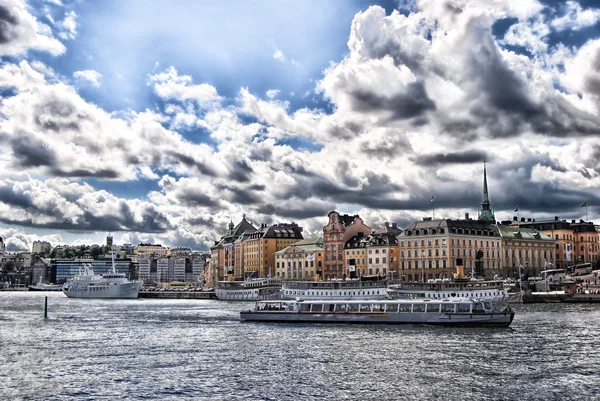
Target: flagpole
(433, 209)
(586, 212)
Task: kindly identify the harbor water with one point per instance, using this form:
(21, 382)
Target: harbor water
(163, 349)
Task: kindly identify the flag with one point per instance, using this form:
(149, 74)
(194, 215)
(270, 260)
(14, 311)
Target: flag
(517, 209)
(432, 198)
(584, 204)
(310, 257)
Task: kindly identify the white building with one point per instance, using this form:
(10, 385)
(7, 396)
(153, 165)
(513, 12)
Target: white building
(178, 269)
(40, 247)
(144, 269)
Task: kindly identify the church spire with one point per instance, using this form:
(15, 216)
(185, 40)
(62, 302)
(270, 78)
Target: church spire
(486, 210)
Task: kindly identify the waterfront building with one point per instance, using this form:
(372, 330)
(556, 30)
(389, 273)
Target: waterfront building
(144, 270)
(179, 252)
(178, 268)
(339, 229)
(524, 251)
(2, 247)
(382, 255)
(301, 260)
(223, 254)
(261, 245)
(41, 270)
(66, 268)
(41, 247)
(144, 251)
(355, 252)
(198, 268)
(575, 242)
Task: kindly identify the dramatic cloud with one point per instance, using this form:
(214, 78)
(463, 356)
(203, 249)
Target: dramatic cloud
(411, 110)
(20, 31)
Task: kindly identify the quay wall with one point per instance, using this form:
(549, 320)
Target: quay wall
(178, 295)
(560, 298)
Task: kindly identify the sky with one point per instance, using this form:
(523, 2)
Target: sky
(159, 121)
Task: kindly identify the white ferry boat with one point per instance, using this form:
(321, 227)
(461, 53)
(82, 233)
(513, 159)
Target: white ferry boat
(342, 290)
(449, 312)
(249, 290)
(108, 285)
(448, 289)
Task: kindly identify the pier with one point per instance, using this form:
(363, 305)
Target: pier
(546, 298)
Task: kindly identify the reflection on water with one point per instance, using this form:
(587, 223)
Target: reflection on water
(199, 349)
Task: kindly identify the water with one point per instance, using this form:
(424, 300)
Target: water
(199, 349)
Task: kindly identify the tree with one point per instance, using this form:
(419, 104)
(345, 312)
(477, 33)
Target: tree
(95, 251)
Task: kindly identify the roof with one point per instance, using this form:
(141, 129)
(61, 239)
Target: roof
(525, 233)
(309, 245)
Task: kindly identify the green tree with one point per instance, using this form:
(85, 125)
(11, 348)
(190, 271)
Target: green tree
(95, 251)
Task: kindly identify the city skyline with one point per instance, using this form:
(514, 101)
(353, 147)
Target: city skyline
(163, 124)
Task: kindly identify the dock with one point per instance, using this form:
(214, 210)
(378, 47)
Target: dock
(178, 294)
(556, 297)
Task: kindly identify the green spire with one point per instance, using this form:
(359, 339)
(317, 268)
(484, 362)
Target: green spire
(231, 224)
(486, 210)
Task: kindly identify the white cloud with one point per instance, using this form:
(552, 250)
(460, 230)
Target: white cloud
(575, 17)
(21, 31)
(68, 26)
(170, 85)
(90, 77)
(273, 93)
(278, 55)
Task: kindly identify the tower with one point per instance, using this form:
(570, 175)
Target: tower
(486, 213)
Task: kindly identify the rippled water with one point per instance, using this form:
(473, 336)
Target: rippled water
(199, 349)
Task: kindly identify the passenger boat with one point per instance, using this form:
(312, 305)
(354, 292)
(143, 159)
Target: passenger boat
(109, 285)
(342, 290)
(446, 288)
(248, 290)
(449, 312)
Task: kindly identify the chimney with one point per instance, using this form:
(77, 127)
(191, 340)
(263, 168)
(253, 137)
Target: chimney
(514, 218)
(466, 216)
(556, 218)
(572, 221)
(522, 219)
(529, 220)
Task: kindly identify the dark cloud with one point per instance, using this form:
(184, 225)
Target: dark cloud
(193, 197)
(29, 151)
(299, 170)
(85, 173)
(9, 197)
(390, 147)
(7, 22)
(294, 211)
(192, 163)
(592, 83)
(412, 103)
(466, 157)
(241, 171)
(57, 115)
(344, 129)
(241, 196)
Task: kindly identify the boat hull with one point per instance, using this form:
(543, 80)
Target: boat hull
(128, 290)
(56, 287)
(494, 320)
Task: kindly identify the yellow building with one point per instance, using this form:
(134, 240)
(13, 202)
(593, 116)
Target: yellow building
(575, 242)
(261, 245)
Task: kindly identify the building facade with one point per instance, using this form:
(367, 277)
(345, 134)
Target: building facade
(300, 261)
(41, 247)
(339, 229)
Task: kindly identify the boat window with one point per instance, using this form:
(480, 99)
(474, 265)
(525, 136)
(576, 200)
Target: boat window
(304, 307)
(329, 308)
(342, 308)
(378, 307)
(405, 308)
(418, 308)
(391, 308)
(352, 307)
(317, 308)
(463, 308)
(447, 308)
(488, 305)
(365, 308)
(433, 308)
(478, 307)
